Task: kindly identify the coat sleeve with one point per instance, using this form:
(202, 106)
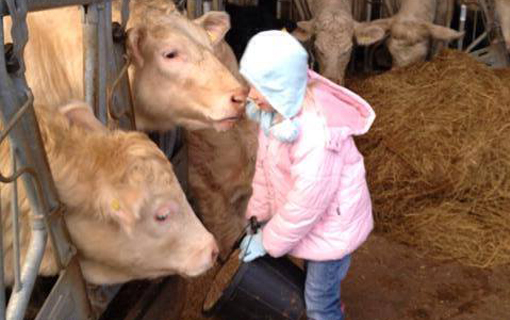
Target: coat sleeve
(316, 174)
(258, 206)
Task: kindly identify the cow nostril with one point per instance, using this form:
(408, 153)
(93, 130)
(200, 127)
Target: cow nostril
(239, 97)
(214, 254)
(236, 98)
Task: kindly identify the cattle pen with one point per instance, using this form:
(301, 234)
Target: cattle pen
(107, 89)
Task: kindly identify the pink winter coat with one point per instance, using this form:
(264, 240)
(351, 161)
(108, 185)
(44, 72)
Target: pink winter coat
(313, 191)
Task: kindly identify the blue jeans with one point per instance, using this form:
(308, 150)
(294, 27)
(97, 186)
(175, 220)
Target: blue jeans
(322, 288)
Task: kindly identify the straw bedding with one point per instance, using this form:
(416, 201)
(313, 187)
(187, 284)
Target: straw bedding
(196, 290)
(438, 157)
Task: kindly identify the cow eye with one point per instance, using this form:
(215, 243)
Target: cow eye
(162, 217)
(170, 54)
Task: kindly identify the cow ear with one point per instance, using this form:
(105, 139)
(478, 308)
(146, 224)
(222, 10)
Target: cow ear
(135, 39)
(303, 31)
(80, 114)
(443, 33)
(216, 23)
(121, 207)
(368, 33)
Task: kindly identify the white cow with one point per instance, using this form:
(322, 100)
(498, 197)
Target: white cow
(411, 30)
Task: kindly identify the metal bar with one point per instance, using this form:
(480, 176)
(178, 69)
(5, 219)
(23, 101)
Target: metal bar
(109, 72)
(462, 25)
(89, 25)
(67, 299)
(199, 8)
(19, 299)
(191, 9)
(102, 63)
(366, 62)
(486, 13)
(51, 224)
(473, 34)
(389, 8)
(36, 5)
(119, 100)
(217, 5)
(124, 14)
(17, 112)
(15, 225)
(15, 120)
(207, 6)
(26, 138)
(300, 6)
(2, 284)
(473, 44)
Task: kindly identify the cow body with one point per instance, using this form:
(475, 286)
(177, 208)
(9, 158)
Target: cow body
(125, 211)
(221, 168)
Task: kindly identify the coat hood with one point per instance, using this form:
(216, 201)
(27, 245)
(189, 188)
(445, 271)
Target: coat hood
(345, 112)
(276, 64)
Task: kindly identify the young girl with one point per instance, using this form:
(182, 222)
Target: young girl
(309, 183)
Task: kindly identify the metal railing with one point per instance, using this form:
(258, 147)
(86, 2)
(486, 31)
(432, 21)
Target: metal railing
(27, 152)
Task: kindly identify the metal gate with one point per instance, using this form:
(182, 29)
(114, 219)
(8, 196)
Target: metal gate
(106, 88)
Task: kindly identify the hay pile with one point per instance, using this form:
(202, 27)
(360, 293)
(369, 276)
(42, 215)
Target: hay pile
(438, 158)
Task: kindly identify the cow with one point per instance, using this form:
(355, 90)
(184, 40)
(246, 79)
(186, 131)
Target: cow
(176, 79)
(121, 196)
(335, 32)
(411, 29)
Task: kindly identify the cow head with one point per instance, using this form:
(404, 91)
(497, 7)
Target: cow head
(409, 40)
(127, 214)
(177, 78)
(333, 35)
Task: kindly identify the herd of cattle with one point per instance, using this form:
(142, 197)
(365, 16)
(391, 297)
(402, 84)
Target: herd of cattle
(126, 212)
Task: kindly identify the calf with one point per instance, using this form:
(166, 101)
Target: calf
(334, 30)
(126, 213)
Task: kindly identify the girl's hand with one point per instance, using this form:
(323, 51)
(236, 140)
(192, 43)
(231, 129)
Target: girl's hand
(252, 247)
